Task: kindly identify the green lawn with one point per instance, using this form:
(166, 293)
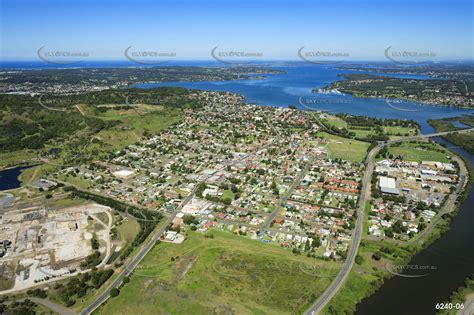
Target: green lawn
(335, 121)
(366, 222)
(420, 152)
(228, 194)
(361, 133)
(391, 131)
(223, 274)
(31, 174)
(76, 180)
(346, 149)
(394, 130)
(128, 229)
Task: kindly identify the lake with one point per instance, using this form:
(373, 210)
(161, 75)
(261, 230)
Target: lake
(452, 254)
(296, 85)
(9, 177)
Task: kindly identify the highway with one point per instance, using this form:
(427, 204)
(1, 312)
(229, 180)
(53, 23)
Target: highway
(335, 285)
(357, 233)
(151, 243)
(356, 237)
(430, 135)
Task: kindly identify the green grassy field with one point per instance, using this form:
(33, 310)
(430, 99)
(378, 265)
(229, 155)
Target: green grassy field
(335, 121)
(223, 274)
(391, 131)
(228, 194)
(132, 124)
(420, 152)
(17, 158)
(365, 277)
(394, 130)
(346, 149)
(128, 229)
(76, 181)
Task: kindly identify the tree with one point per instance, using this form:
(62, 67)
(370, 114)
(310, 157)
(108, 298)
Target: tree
(70, 303)
(114, 292)
(389, 232)
(189, 219)
(95, 243)
(316, 242)
(376, 256)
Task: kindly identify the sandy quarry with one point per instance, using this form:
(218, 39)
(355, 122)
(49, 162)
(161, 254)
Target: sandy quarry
(50, 243)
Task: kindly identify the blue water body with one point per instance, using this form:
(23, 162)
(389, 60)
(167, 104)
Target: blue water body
(9, 177)
(39, 64)
(459, 124)
(452, 255)
(295, 86)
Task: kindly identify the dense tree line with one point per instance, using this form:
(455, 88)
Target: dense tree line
(27, 123)
(370, 122)
(25, 307)
(80, 285)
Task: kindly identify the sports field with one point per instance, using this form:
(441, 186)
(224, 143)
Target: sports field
(420, 152)
(344, 148)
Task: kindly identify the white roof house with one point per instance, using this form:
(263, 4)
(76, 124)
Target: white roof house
(123, 173)
(388, 185)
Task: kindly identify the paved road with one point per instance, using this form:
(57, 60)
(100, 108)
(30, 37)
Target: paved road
(288, 193)
(430, 135)
(318, 306)
(337, 282)
(356, 237)
(151, 243)
(448, 208)
(51, 305)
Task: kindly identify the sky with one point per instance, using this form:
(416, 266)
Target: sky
(362, 29)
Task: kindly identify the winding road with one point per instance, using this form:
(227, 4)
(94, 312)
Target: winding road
(340, 278)
(152, 241)
(336, 284)
(356, 237)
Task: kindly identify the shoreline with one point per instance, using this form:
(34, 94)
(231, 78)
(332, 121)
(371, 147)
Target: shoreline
(432, 237)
